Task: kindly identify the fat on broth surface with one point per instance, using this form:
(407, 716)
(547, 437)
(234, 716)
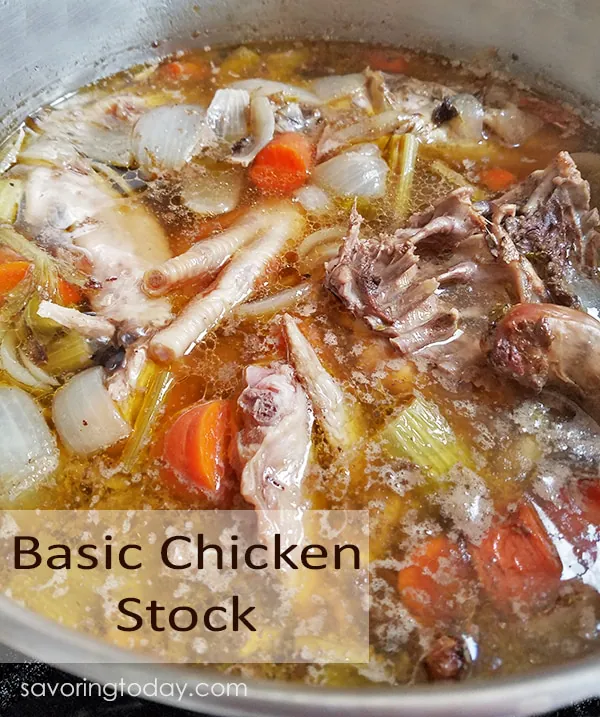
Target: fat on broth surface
(514, 442)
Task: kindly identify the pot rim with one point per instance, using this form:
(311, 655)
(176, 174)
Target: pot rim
(540, 690)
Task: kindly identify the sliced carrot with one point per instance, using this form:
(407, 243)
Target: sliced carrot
(69, 293)
(185, 69)
(387, 61)
(517, 563)
(12, 273)
(196, 445)
(283, 165)
(497, 179)
(435, 586)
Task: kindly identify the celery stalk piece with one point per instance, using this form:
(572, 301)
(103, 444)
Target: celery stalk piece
(450, 175)
(402, 159)
(242, 62)
(11, 191)
(422, 435)
(15, 302)
(68, 353)
(152, 403)
(38, 324)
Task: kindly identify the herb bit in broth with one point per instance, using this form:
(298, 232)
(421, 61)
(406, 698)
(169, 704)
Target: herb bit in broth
(364, 275)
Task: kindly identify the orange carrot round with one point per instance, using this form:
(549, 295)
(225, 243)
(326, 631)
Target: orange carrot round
(516, 562)
(184, 69)
(435, 582)
(387, 61)
(283, 165)
(196, 445)
(12, 273)
(497, 179)
(69, 293)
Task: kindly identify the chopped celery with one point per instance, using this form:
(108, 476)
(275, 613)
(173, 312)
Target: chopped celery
(68, 353)
(242, 62)
(154, 398)
(37, 323)
(422, 435)
(15, 302)
(283, 65)
(11, 191)
(402, 158)
(453, 177)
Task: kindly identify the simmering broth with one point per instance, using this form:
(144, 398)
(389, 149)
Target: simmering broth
(467, 429)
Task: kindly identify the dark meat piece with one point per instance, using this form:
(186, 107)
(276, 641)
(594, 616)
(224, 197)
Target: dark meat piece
(382, 280)
(446, 660)
(545, 344)
(528, 287)
(553, 112)
(552, 224)
(446, 224)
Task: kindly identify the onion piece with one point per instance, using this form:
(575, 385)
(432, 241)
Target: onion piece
(322, 236)
(353, 174)
(313, 199)
(334, 87)
(167, 137)
(262, 119)
(319, 247)
(318, 256)
(38, 373)
(266, 88)
(212, 191)
(469, 122)
(272, 304)
(85, 416)
(13, 366)
(226, 114)
(512, 125)
(28, 448)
